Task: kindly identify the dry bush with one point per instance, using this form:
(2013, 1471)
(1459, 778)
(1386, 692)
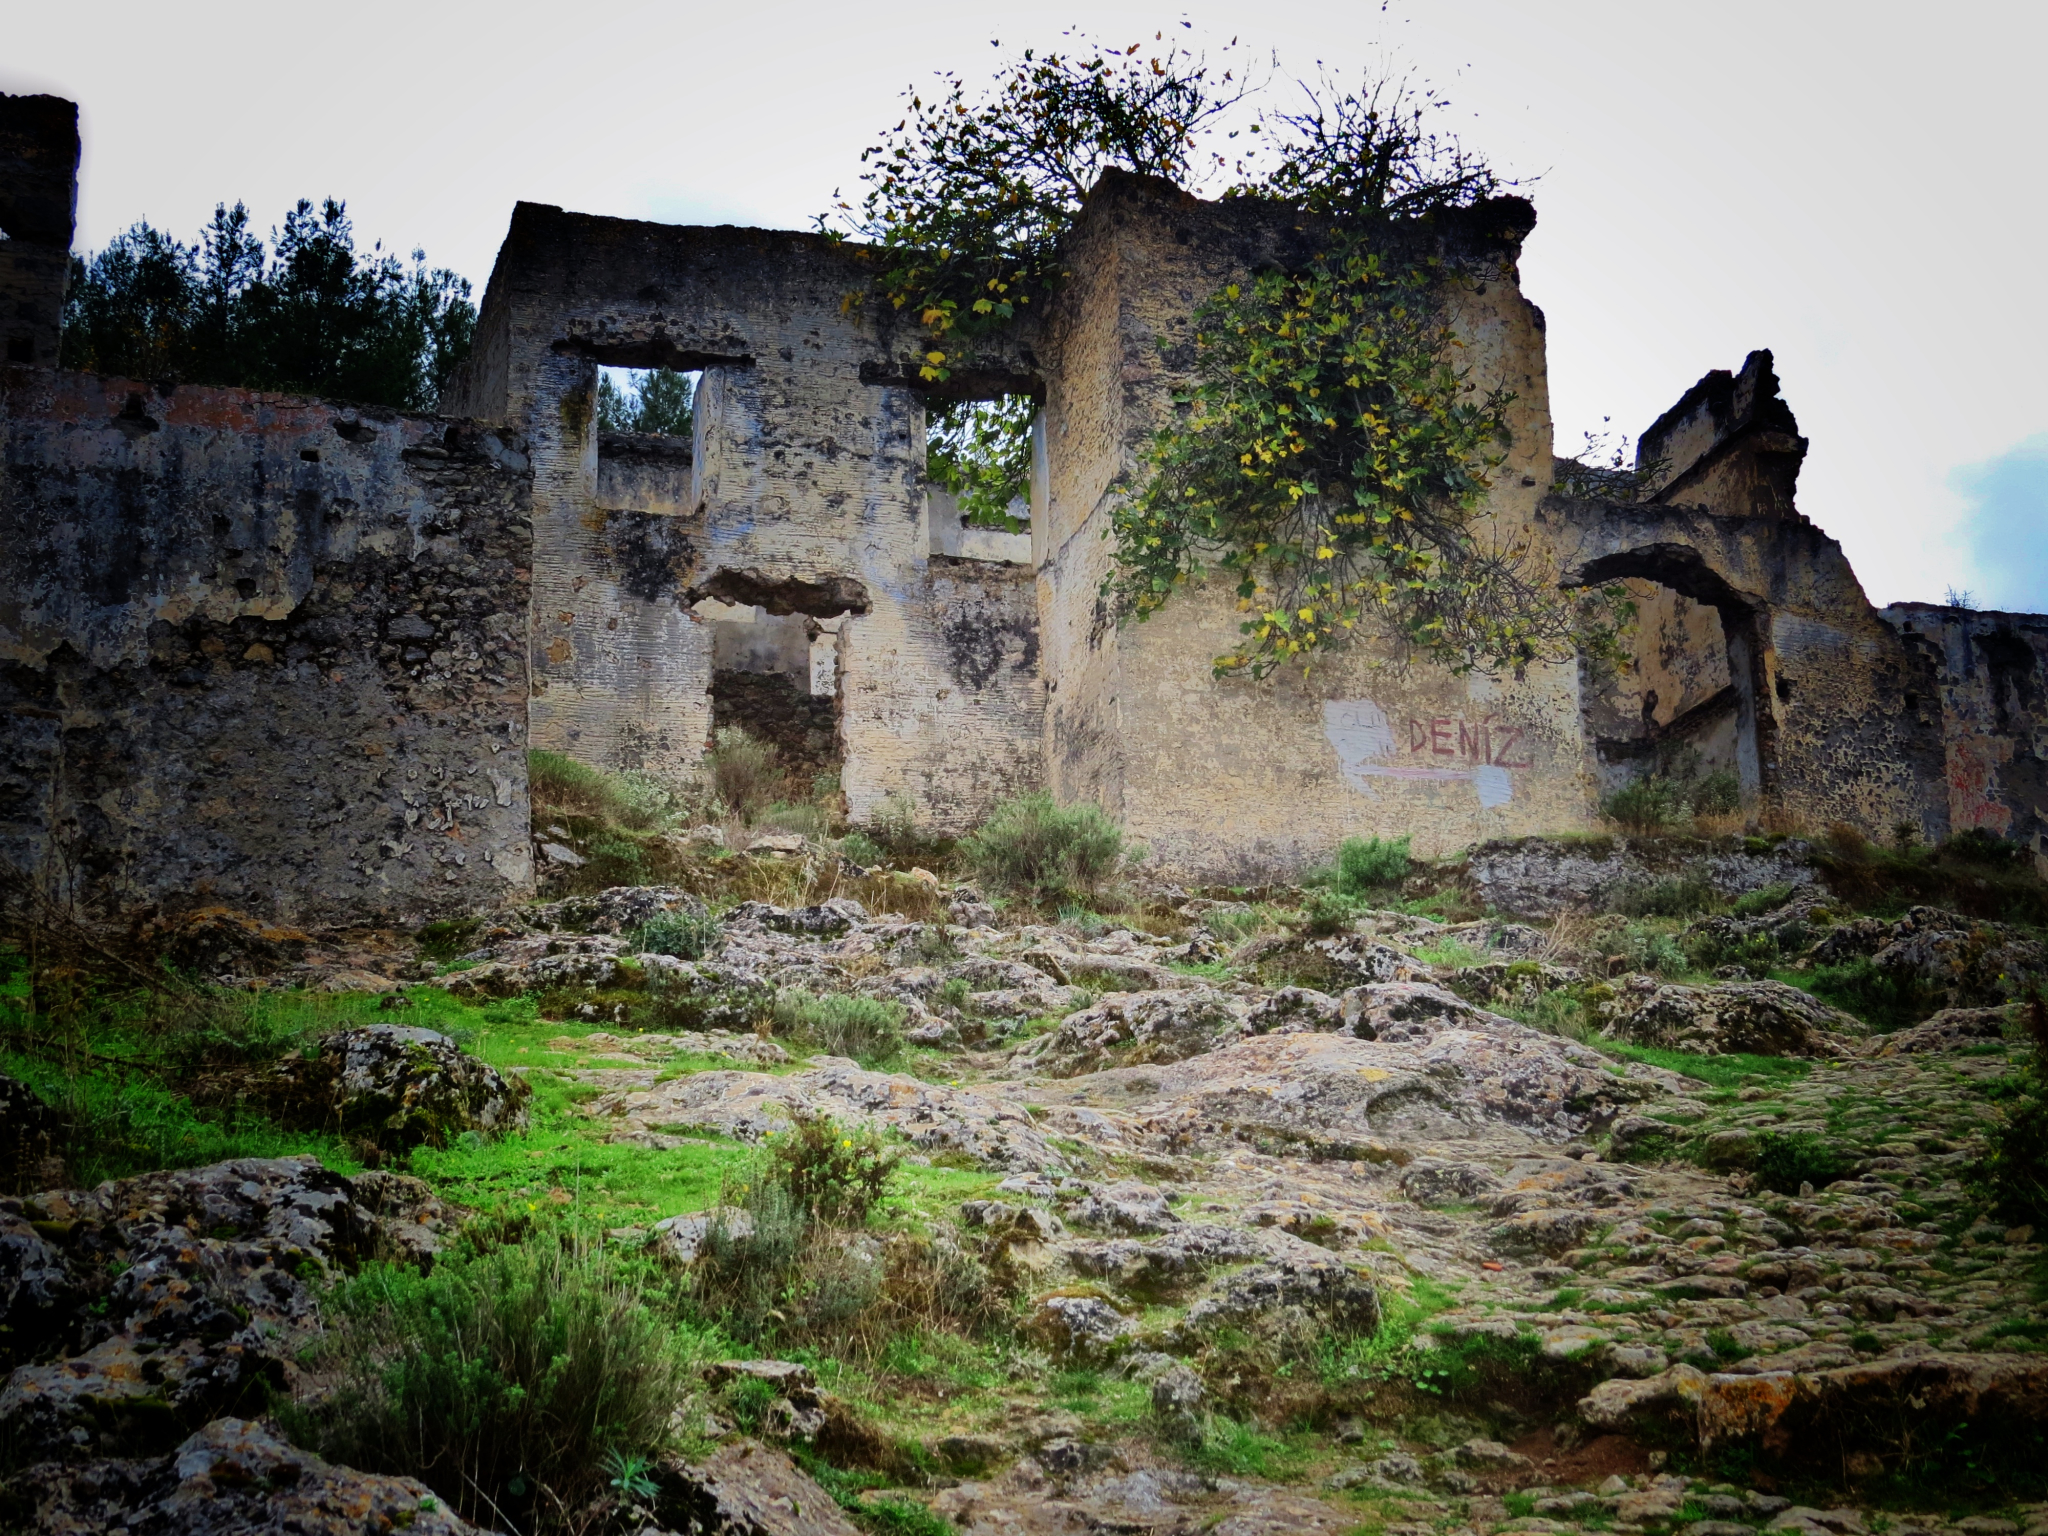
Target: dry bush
(745, 772)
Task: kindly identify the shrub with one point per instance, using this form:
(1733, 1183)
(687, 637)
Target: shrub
(687, 934)
(1980, 845)
(1787, 1159)
(745, 772)
(1033, 847)
(1327, 913)
(1716, 794)
(842, 1024)
(859, 848)
(1757, 903)
(1885, 1000)
(1672, 896)
(615, 859)
(832, 1174)
(500, 1380)
(1368, 863)
(1644, 805)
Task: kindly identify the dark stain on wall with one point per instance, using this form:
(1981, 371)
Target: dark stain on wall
(653, 557)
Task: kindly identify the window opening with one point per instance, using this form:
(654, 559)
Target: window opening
(978, 477)
(647, 402)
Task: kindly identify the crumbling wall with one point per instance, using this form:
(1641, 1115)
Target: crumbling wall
(1837, 720)
(805, 495)
(1992, 676)
(38, 202)
(260, 651)
(1240, 779)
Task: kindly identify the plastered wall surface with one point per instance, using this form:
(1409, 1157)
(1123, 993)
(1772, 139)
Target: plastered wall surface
(1236, 779)
(260, 651)
(806, 494)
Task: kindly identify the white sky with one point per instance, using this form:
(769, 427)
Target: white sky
(1857, 187)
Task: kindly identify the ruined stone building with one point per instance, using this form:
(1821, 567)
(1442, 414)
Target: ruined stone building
(289, 654)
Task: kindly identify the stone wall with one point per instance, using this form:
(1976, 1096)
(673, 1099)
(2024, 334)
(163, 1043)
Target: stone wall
(1992, 676)
(260, 651)
(805, 494)
(38, 200)
(1237, 779)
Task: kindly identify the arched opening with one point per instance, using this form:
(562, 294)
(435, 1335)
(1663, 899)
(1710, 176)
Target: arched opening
(1688, 703)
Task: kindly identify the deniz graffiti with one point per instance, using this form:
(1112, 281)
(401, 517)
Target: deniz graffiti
(1438, 748)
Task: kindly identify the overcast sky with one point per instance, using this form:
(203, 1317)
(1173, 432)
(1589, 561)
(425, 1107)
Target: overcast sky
(1857, 187)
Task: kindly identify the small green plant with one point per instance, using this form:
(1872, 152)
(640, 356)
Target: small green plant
(1757, 903)
(1520, 1505)
(1671, 896)
(832, 1173)
(954, 993)
(1326, 913)
(1645, 805)
(859, 848)
(615, 859)
(2014, 1169)
(500, 1379)
(1370, 863)
(688, 934)
(1885, 1000)
(868, 1029)
(629, 1475)
(1787, 1159)
(1033, 847)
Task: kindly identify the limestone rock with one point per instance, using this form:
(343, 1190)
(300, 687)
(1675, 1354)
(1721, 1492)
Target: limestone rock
(1079, 1328)
(1324, 1291)
(234, 1477)
(749, 1105)
(1759, 1018)
(1126, 1207)
(1432, 1181)
(1291, 1010)
(1952, 1029)
(1134, 1027)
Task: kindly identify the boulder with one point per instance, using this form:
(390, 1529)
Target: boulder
(234, 1477)
(707, 994)
(825, 920)
(1291, 1010)
(1874, 1414)
(1952, 1029)
(1432, 1181)
(137, 1311)
(618, 910)
(392, 1085)
(1126, 1207)
(1134, 1027)
(1317, 1295)
(1081, 1328)
(1758, 1018)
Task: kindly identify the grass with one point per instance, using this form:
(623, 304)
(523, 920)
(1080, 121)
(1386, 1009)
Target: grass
(1731, 1071)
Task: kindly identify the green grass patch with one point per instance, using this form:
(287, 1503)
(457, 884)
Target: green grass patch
(1735, 1070)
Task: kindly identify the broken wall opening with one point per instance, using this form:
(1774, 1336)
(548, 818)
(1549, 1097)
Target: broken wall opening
(775, 663)
(1686, 704)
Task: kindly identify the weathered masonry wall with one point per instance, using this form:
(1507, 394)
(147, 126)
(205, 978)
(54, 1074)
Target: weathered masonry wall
(38, 199)
(1992, 675)
(1242, 779)
(260, 651)
(802, 493)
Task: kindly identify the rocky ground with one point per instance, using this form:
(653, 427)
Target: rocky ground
(1455, 1227)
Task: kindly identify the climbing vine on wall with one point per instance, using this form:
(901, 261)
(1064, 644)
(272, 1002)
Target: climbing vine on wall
(1328, 457)
(1333, 451)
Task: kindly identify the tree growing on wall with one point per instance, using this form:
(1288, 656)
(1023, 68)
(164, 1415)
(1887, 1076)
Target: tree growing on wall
(309, 314)
(1333, 452)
